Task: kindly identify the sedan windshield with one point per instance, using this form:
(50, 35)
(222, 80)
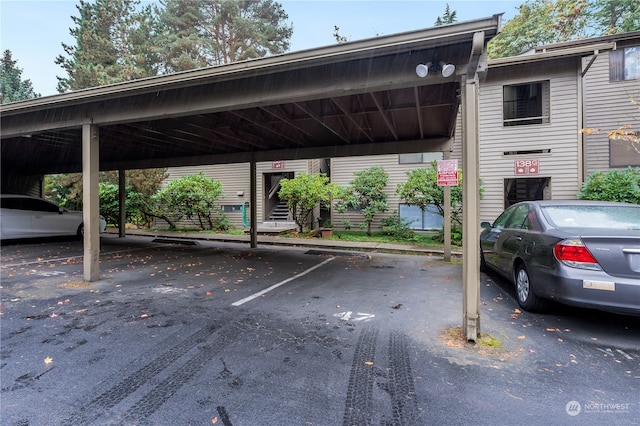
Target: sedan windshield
(585, 216)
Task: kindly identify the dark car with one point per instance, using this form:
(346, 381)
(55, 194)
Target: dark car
(581, 253)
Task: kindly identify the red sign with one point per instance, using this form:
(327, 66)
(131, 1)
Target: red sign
(277, 164)
(447, 172)
(527, 167)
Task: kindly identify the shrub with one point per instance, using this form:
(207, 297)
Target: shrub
(191, 197)
(615, 185)
(397, 227)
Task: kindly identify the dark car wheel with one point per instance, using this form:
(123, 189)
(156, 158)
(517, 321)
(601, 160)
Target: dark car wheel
(527, 299)
(80, 232)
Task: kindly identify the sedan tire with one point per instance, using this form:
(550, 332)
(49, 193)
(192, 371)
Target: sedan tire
(527, 299)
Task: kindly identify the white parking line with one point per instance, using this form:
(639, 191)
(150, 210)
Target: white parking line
(266, 290)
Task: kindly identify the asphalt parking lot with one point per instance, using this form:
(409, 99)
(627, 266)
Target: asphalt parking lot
(204, 332)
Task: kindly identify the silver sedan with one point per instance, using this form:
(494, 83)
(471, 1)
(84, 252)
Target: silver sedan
(581, 253)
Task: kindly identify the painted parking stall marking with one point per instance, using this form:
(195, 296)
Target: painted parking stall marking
(273, 287)
(359, 316)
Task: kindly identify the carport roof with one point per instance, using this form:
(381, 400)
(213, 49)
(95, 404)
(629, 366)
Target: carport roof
(355, 98)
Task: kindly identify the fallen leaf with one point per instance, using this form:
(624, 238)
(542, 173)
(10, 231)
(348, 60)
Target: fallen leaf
(517, 311)
(144, 316)
(53, 315)
(522, 337)
(214, 420)
(368, 362)
(48, 360)
(551, 329)
(208, 293)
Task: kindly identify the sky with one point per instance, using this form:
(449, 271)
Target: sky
(34, 30)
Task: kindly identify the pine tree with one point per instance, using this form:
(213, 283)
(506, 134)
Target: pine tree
(12, 87)
(113, 44)
(449, 17)
(213, 32)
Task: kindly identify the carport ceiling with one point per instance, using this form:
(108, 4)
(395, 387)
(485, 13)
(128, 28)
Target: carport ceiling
(355, 98)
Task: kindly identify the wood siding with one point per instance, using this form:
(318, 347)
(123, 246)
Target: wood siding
(608, 106)
(560, 136)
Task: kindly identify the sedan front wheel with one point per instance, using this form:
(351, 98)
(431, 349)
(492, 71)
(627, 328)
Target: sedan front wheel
(524, 292)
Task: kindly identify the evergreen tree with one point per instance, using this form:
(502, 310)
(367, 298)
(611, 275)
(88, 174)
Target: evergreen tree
(180, 44)
(449, 17)
(213, 32)
(113, 44)
(615, 16)
(12, 87)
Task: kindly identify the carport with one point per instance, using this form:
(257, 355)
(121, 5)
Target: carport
(350, 99)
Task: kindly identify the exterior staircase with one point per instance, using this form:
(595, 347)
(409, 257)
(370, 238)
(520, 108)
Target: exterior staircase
(280, 212)
(278, 222)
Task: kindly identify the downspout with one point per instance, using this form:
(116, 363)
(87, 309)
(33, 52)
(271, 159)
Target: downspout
(581, 125)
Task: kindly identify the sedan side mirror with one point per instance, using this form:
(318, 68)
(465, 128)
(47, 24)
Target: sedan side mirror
(485, 225)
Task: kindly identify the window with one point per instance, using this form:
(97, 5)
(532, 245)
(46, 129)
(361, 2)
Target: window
(517, 219)
(231, 208)
(624, 64)
(430, 219)
(524, 104)
(419, 158)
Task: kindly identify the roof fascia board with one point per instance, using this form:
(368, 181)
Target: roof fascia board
(554, 54)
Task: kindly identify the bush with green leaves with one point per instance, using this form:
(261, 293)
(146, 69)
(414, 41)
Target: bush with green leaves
(397, 226)
(614, 185)
(456, 235)
(110, 204)
(191, 198)
(304, 193)
(365, 193)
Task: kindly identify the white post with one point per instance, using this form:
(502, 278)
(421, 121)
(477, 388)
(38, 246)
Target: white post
(91, 202)
(471, 214)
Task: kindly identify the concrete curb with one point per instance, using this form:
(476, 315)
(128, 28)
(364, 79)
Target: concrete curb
(292, 241)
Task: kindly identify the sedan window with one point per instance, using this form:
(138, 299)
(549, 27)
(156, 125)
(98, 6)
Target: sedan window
(586, 216)
(518, 217)
(502, 219)
(11, 203)
(39, 205)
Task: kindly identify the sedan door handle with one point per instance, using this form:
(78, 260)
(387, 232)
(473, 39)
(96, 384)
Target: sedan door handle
(518, 238)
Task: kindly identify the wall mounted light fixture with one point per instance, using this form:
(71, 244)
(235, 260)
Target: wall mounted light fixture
(422, 70)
